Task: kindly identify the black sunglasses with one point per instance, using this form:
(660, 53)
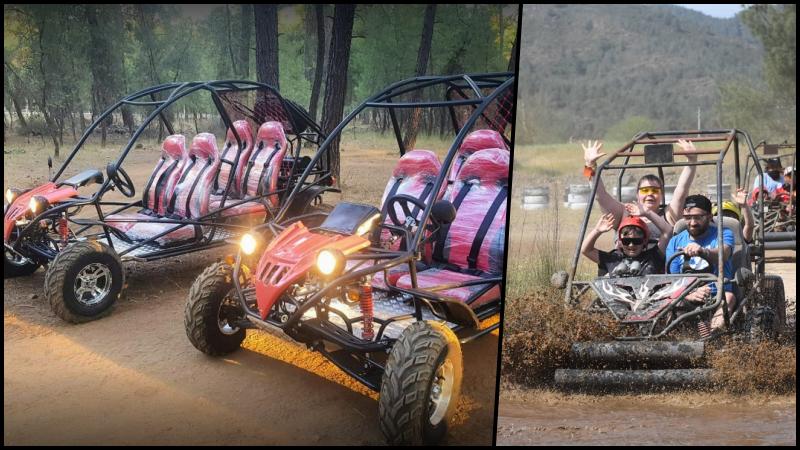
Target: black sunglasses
(632, 241)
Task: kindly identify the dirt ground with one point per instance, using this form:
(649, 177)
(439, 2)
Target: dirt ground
(529, 416)
(134, 377)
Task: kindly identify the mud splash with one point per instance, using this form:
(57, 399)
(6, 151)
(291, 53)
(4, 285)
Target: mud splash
(539, 331)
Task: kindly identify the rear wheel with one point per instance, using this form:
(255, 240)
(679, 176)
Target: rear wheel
(84, 281)
(211, 311)
(768, 316)
(421, 385)
(17, 266)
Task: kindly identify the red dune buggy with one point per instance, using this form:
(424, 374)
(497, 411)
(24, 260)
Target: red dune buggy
(197, 196)
(388, 293)
(780, 206)
(652, 311)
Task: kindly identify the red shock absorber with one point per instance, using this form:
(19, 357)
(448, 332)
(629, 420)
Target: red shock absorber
(366, 309)
(63, 229)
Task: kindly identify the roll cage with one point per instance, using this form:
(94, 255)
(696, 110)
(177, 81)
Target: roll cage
(653, 150)
(268, 105)
(495, 109)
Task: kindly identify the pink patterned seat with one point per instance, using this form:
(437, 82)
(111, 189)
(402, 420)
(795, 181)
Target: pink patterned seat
(189, 200)
(260, 175)
(230, 150)
(473, 245)
(473, 142)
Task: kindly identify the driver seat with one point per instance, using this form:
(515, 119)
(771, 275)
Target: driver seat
(414, 175)
(189, 200)
(473, 245)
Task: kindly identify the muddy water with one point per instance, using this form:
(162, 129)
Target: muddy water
(630, 422)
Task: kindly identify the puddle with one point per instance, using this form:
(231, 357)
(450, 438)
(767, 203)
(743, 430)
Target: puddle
(628, 422)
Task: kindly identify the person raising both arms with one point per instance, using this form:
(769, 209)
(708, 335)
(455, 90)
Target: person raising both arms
(649, 190)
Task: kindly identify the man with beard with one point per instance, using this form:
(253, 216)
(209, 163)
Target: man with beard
(700, 239)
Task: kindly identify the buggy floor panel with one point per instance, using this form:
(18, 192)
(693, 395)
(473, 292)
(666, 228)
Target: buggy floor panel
(146, 250)
(385, 306)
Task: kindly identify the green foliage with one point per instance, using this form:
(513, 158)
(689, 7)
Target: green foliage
(626, 128)
(585, 68)
(767, 110)
(47, 51)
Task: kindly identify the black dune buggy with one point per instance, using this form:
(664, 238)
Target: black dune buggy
(387, 293)
(197, 197)
(651, 309)
(779, 219)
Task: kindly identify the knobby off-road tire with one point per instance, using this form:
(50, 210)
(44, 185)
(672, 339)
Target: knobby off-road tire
(72, 270)
(13, 267)
(416, 361)
(201, 316)
(768, 316)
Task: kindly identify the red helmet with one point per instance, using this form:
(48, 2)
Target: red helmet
(635, 221)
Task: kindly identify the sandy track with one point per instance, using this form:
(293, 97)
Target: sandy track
(134, 378)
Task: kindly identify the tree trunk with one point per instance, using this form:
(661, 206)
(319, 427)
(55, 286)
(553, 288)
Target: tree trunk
(412, 125)
(512, 60)
(244, 42)
(102, 66)
(266, 18)
(320, 65)
(336, 81)
(229, 39)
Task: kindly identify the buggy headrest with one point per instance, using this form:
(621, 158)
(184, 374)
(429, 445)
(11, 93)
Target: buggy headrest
(204, 145)
(272, 133)
(418, 162)
(174, 147)
(244, 131)
(490, 166)
(482, 139)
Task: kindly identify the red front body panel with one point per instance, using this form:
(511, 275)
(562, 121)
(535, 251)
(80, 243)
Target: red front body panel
(19, 208)
(290, 256)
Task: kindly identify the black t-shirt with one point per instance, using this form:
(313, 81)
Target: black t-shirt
(651, 261)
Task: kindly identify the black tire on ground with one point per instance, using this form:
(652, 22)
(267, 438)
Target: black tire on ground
(201, 316)
(88, 259)
(768, 316)
(12, 269)
(416, 364)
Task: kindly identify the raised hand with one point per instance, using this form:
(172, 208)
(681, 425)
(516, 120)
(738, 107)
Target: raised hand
(606, 223)
(688, 146)
(633, 209)
(740, 197)
(591, 152)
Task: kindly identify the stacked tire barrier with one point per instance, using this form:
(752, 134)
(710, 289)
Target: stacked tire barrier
(536, 198)
(577, 196)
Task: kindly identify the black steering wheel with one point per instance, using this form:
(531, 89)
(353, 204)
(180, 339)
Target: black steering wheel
(404, 201)
(685, 268)
(123, 182)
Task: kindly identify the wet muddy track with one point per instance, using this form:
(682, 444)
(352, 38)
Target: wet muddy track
(626, 421)
(134, 378)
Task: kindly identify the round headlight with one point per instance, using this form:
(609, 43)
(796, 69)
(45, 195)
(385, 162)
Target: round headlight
(10, 196)
(330, 262)
(38, 204)
(248, 244)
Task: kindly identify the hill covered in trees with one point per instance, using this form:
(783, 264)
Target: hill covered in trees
(610, 70)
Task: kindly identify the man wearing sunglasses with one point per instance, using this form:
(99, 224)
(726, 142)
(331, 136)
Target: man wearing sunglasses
(700, 240)
(631, 257)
